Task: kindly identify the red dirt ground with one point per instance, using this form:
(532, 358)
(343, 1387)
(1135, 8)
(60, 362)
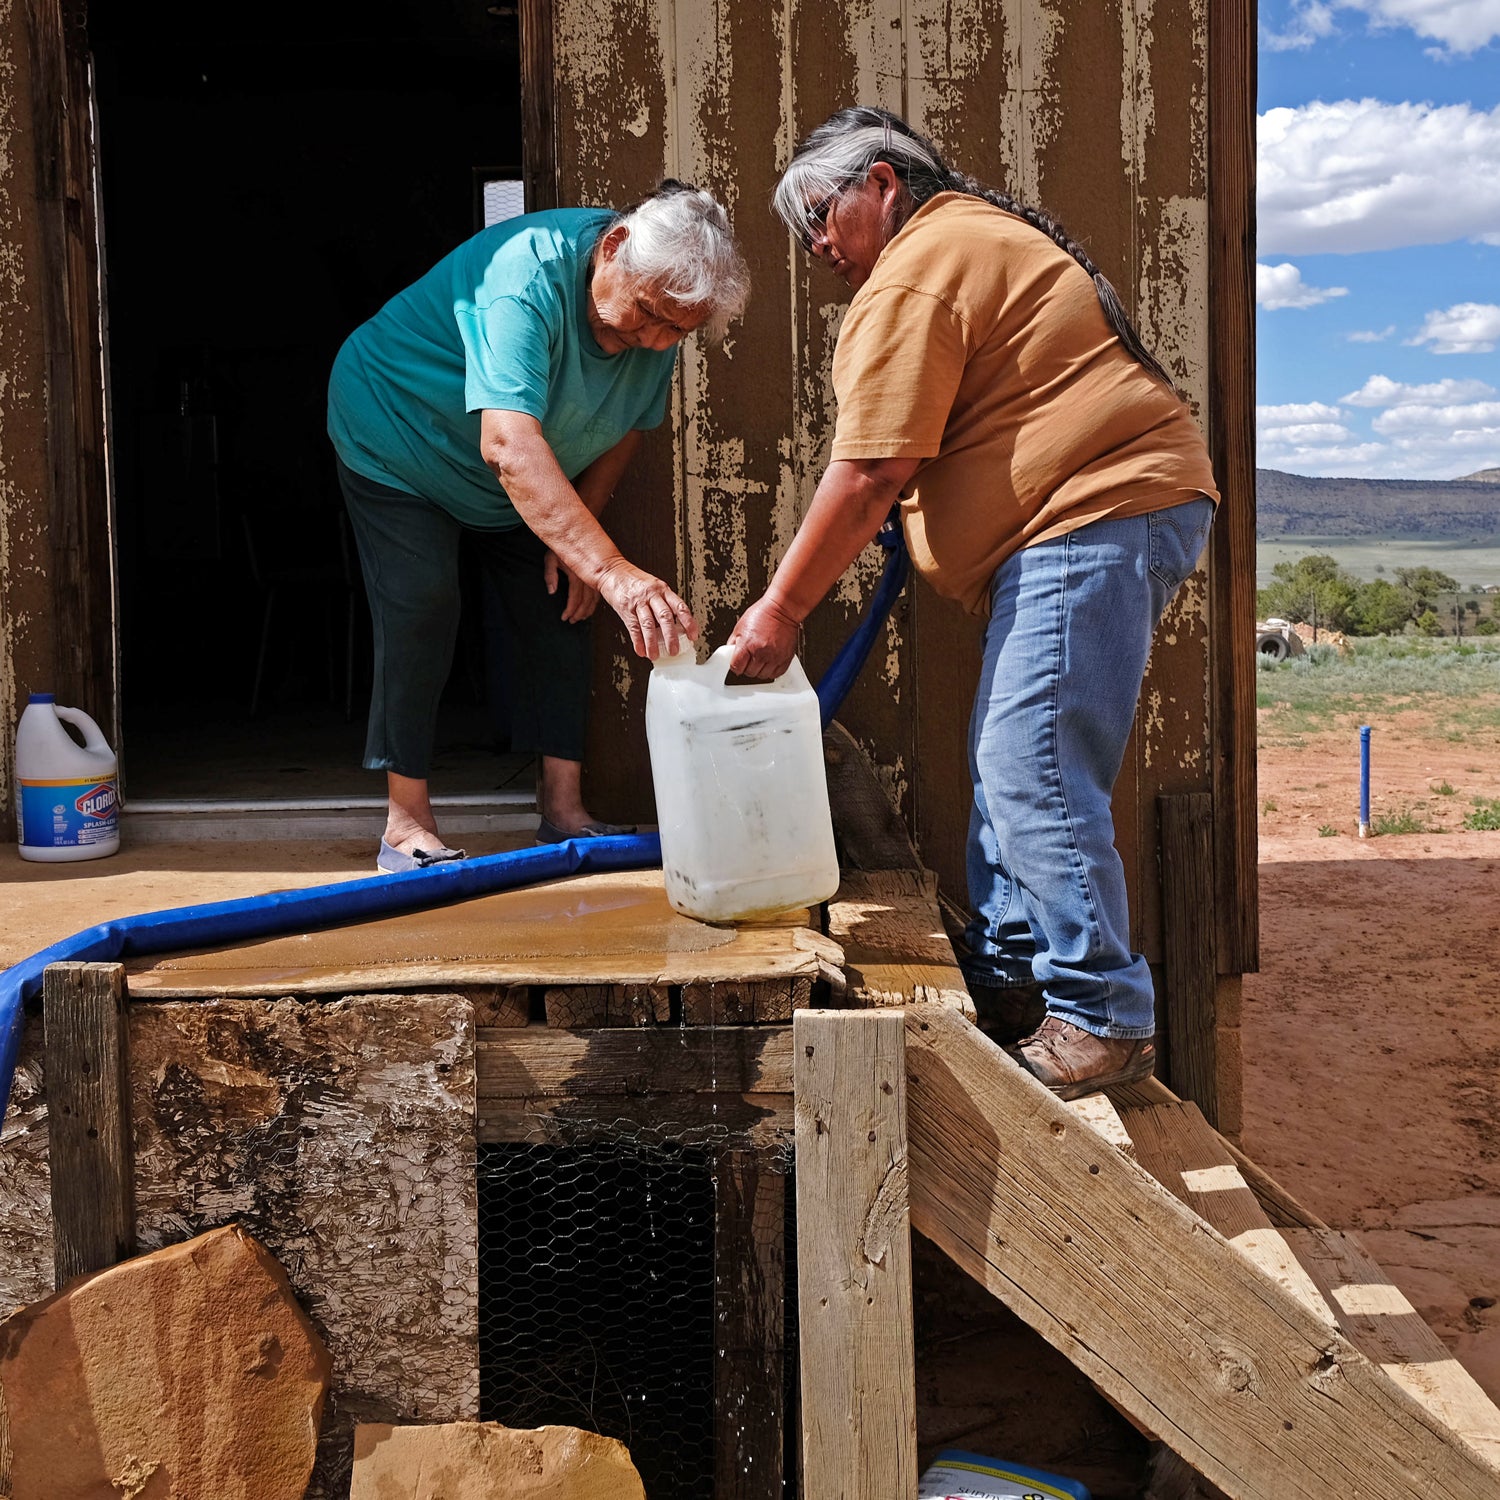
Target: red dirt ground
(1372, 1032)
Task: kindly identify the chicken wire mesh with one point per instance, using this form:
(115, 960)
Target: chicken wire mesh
(596, 1299)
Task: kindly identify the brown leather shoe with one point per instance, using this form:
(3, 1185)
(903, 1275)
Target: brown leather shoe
(1072, 1061)
(1007, 1012)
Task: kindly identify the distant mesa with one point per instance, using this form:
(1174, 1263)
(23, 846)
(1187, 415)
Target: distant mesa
(1466, 509)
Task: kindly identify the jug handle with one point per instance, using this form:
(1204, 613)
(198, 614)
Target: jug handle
(93, 736)
(794, 677)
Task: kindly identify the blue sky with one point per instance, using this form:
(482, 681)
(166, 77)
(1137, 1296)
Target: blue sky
(1378, 258)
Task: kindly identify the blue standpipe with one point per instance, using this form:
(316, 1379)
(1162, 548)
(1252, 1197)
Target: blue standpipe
(359, 900)
(1364, 781)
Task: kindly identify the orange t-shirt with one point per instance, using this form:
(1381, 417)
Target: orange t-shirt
(979, 346)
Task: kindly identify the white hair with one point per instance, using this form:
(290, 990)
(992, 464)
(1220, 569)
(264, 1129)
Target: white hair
(679, 243)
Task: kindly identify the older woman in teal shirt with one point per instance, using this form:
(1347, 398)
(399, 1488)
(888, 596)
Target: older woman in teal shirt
(498, 401)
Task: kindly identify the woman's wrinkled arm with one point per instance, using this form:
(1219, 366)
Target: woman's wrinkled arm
(512, 445)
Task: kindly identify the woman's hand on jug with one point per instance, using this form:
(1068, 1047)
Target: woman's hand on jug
(655, 616)
(764, 640)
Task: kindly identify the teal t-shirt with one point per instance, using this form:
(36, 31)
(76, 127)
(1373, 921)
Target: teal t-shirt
(500, 324)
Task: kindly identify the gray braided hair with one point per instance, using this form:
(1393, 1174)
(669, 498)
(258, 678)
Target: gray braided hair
(840, 152)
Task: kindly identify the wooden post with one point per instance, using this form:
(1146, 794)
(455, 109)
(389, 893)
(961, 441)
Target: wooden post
(538, 133)
(1189, 934)
(88, 1102)
(750, 1335)
(859, 1434)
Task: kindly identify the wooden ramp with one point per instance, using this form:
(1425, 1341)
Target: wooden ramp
(1276, 1364)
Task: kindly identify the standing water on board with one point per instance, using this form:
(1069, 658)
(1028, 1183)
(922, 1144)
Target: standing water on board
(69, 803)
(741, 791)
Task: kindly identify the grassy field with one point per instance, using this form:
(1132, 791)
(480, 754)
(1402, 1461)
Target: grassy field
(1456, 681)
(1471, 564)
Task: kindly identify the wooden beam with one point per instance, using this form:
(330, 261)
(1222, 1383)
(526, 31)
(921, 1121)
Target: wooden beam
(88, 1100)
(1231, 441)
(859, 1437)
(896, 949)
(1377, 1319)
(1187, 892)
(1281, 1207)
(1171, 1323)
(721, 1121)
(743, 1002)
(538, 91)
(749, 1326)
(1176, 1145)
(542, 1063)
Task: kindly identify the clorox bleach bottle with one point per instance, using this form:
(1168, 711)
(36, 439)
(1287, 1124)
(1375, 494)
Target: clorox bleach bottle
(741, 791)
(69, 804)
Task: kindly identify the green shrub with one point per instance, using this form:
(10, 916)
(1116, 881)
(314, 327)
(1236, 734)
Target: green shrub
(1327, 831)
(1442, 789)
(1403, 820)
(1486, 816)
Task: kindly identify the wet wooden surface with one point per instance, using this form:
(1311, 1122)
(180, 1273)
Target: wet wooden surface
(613, 929)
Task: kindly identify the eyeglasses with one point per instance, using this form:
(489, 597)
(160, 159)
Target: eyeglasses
(817, 219)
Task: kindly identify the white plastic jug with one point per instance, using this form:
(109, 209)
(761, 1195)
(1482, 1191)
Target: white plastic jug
(69, 803)
(741, 791)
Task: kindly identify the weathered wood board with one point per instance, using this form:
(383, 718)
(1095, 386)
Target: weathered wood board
(342, 1136)
(725, 1087)
(1194, 1341)
(896, 950)
(604, 930)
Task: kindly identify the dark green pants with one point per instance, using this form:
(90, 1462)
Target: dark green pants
(408, 553)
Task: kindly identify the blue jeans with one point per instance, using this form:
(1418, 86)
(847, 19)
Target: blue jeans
(1064, 655)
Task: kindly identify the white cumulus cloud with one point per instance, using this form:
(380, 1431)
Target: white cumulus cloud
(1282, 286)
(1464, 328)
(1308, 23)
(1381, 390)
(1458, 26)
(1363, 174)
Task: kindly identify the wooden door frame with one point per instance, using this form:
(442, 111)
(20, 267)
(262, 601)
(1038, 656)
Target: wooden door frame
(81, 524)
(538, 137)
(1231, 421)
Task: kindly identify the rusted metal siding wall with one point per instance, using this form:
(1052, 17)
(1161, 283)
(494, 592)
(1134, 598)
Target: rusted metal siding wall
(1093, 109)
(27, 647)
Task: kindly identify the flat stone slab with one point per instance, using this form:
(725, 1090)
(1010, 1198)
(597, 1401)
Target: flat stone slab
(187, 1372)
(480, 1460)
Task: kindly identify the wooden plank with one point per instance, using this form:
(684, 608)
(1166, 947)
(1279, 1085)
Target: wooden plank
(750, 1326)
(577, 1005)
(723, 1121)
(1377, 1319)
(1194, 1341)
(1189, 947)
(1097, 1111)
(1283, 1210)
(639, 1004)
(88, 1097)
(538, 136)
(859, 1437)
(1232, 44)
(739, 1002)
(507, 1005)
(869, 831)
(1177, 1146)
(896, 949)
(540, 1063)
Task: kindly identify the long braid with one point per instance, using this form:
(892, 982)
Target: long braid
(1109, 299)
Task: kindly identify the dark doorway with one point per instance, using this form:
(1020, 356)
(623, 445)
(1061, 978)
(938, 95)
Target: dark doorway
(270, 177)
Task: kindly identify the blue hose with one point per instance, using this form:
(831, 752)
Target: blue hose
(835, 683)
(356, 900)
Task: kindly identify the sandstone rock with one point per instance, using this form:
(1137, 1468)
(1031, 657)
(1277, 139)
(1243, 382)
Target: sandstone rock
(482, 1460)
(185, 1374)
